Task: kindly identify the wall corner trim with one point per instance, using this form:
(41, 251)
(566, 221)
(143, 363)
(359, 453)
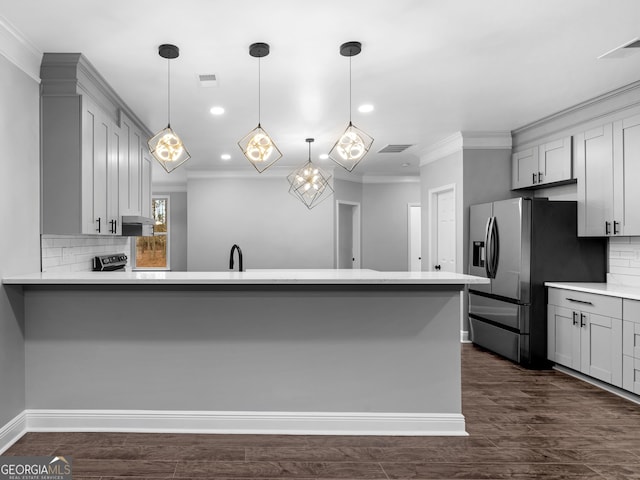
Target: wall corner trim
(465, 140)
(12, 431)
(16, 48)
(293, 423)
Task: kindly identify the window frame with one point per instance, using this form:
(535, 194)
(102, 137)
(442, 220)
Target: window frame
(166, 234)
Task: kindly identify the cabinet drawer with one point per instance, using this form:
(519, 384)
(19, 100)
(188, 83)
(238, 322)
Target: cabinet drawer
(631, 310)
(586, 302)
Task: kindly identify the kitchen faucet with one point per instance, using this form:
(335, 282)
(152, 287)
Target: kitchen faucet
(236, 247)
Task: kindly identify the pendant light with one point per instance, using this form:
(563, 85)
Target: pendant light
(165, 146)
(257, 145)
(309, 183)
(353, 144)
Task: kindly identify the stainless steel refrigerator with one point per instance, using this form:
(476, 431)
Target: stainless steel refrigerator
(519, 244)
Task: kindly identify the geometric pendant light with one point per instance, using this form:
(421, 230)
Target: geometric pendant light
(257, 145)
(354, 143)
(309, 183)
(165, 146)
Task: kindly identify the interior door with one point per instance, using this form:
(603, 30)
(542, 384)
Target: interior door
(415, 238)
(478, 219)
(446, 231)
(510, 217)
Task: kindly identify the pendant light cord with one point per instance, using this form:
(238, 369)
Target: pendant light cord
(169, 92)
(350, 90)
(259, 97)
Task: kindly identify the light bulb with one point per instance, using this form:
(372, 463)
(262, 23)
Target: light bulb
(259, 148)
(350, 146)
(169, 147)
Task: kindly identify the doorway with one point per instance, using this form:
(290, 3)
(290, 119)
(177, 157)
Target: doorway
(415, 237)
(347, 234)
(442, 228)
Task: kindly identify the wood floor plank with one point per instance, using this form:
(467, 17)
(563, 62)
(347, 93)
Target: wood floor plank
(337, 470)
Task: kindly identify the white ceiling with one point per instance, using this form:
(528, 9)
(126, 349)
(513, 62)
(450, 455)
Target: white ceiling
(430, 67)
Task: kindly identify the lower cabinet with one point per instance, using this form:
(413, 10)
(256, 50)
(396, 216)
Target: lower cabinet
(585, 333)
(631, 346)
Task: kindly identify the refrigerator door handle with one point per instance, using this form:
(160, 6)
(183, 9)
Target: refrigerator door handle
(495, 247)
(487, 248)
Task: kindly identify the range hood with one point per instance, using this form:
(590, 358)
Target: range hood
(136, 226)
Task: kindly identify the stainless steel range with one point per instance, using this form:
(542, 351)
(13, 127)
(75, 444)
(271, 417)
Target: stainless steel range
(109, 262)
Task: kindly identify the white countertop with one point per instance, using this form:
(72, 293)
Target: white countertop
(250, 277)
(610, 289)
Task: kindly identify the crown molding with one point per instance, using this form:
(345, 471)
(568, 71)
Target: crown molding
(465, 140)
(390, 179)
(16, 48)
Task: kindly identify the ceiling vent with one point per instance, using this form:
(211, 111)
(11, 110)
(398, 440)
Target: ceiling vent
(625, 50)
(397, 148)
(208, 81)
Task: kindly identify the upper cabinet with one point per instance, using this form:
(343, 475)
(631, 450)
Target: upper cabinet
(92, 151)
(608, 170)
(542, 164)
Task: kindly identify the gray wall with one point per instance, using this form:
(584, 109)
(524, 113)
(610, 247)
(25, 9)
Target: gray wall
(486, 178)
(177, 229)
(385, 224)
(273, 228)
(20, 216)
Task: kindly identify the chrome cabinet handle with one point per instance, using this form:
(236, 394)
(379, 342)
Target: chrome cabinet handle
(534, 177)
(579, 301)
(575, 318)
(616, 230)
(99, 220)
(582, 322)
(607, 228)
(539, 177)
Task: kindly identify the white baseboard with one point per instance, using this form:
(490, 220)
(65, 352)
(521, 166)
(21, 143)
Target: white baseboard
(292, 423)
(464, 336)
(12, 431)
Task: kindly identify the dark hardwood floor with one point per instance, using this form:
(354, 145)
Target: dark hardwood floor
(522, 424)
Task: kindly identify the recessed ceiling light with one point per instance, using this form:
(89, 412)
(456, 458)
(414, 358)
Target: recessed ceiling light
(366, 108)
(323, 156)
(217, 110)
(225, 156)
(406, 164)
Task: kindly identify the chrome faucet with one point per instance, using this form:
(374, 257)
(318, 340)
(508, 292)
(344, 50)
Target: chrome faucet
(236, 247)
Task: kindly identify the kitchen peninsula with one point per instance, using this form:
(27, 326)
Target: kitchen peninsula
(265, 351)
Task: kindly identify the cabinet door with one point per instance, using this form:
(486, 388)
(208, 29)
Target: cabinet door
(563, 337)
(113, 180)
(95, 160)
(626, 157)
(601, 347)
(130, 168)
(554, 161)
(594, 164)
(524, 168)
(145, 183)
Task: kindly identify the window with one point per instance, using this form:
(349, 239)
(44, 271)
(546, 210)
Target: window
(153, 252)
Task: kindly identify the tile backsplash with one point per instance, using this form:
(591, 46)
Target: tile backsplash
(624, 260)
(69, 253)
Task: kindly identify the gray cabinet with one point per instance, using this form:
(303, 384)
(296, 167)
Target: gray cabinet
(608, 170)
(626, 171)
(631, 346)
(92, 163)
(542, 164)
(585, 333)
